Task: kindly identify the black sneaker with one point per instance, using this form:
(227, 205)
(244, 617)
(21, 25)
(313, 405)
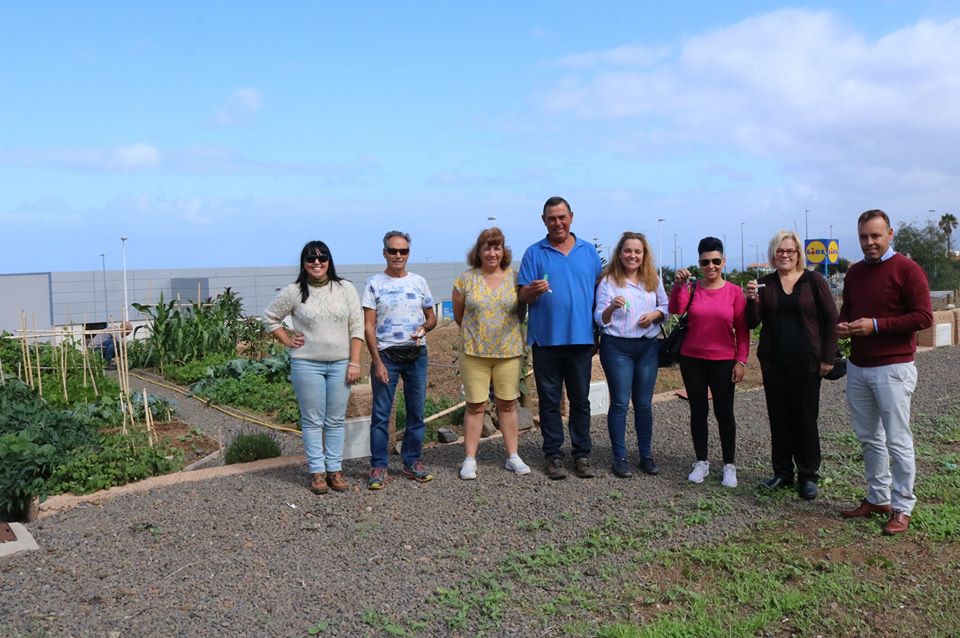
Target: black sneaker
(807, 490)
(621, 468)
(649, 467)
(554, 469)
(582, 468)
(775, 483)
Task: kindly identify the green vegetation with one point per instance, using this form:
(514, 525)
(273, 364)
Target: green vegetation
(181, 333)
(251, 447)
(804, 575)
(46, 450)
(192, 372)
(262, 386)
(925, 244)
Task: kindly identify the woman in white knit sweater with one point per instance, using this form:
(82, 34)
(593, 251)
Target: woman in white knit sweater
(325, 357)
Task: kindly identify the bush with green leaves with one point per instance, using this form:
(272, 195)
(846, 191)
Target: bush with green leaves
(262, 385)
(38, 440)
(251, 447)
(116, 459)
(194, 371)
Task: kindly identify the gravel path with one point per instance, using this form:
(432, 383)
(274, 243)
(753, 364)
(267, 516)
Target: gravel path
(217, 425)
(258, 555)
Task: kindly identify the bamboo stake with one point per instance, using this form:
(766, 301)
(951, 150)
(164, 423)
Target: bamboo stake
(83, 350)
(148, 418)
(63, 371)
(93, 378)
(25, 349)
(2, 380)
(36, 345)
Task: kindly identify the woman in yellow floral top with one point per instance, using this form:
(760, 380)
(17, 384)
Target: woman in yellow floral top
(486, 308)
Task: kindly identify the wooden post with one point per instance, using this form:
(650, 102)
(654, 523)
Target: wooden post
(63, 371)
(36, 345)
(2, 380)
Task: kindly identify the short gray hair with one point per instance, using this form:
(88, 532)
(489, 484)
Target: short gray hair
(395, 233)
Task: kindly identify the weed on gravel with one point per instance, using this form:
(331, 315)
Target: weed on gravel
(808, 574)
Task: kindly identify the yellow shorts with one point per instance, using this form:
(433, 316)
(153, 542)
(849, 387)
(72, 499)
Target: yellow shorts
(477, 372)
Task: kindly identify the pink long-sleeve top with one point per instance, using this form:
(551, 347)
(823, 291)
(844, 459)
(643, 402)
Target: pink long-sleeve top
(717, 324)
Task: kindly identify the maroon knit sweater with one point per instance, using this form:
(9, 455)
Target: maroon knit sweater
(895, 292)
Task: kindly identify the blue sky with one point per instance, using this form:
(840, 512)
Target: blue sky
(228, 134)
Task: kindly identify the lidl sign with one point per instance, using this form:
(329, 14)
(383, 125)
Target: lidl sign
(822, 251)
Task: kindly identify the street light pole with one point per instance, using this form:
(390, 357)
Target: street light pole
(126, 303)
(674, 252)
(106, 308)
(724, 250)
(806, 226)
(741, 246)
(660, 248)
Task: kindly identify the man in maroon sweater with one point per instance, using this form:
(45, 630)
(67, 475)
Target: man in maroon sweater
(886, 300)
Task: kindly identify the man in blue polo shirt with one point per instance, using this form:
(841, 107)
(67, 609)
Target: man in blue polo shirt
(557, 279)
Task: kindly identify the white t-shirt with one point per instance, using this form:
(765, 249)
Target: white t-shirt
(399, 303)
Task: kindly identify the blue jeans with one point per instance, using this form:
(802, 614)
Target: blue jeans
(322, 392)
(631, 369)
(555, 367)
(414, 375)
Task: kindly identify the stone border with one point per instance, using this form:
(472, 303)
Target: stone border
(64, 502)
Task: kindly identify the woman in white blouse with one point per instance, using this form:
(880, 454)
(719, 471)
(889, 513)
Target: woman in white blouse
(631, 305)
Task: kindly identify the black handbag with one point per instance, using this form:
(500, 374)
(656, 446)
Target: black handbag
(839, 361)
(671, 343)
(403, 354)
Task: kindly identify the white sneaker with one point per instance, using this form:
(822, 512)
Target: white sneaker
(516, 464)
(729, 475)
(468, 469)
(700, 471)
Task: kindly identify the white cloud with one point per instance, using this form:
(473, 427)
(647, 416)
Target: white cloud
(240, 106)
(134, 156)
(791, 85)
(123, 157)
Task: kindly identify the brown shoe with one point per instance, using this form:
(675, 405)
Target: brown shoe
(319, 483)
(866, 508)
(898, 523)
(336, 482)
(582, 468)
(554, 469)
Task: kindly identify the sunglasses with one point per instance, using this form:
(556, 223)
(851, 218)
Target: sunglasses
(716, 261)
(397, 251)
(321, 258)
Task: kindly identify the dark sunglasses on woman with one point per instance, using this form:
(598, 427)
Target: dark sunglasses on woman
(321, 258)
(716, 261)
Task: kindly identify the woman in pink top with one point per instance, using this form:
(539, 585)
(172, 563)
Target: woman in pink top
(713, 355)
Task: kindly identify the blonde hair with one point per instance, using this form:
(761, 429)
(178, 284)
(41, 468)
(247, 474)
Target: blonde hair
(648, 274)
(775, 243)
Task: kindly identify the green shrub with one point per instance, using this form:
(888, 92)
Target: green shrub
(117, 459)
(256, 393)
(195, 370)
(251, 447)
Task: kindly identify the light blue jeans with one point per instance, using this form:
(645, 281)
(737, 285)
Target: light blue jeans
(322, 392)
(879, 401)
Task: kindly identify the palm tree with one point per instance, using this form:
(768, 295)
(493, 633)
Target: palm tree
(948, 223)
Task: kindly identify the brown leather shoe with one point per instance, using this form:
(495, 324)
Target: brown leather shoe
(336, 482)
(866, 508)
(582, 468)
(554, 469)
(319, 483)
(898, 523)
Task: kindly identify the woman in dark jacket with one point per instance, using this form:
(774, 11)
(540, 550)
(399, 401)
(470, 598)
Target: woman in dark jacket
(798, 343)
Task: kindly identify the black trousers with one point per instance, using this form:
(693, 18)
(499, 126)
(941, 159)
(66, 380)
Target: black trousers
(698, 375)
(793, 405)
